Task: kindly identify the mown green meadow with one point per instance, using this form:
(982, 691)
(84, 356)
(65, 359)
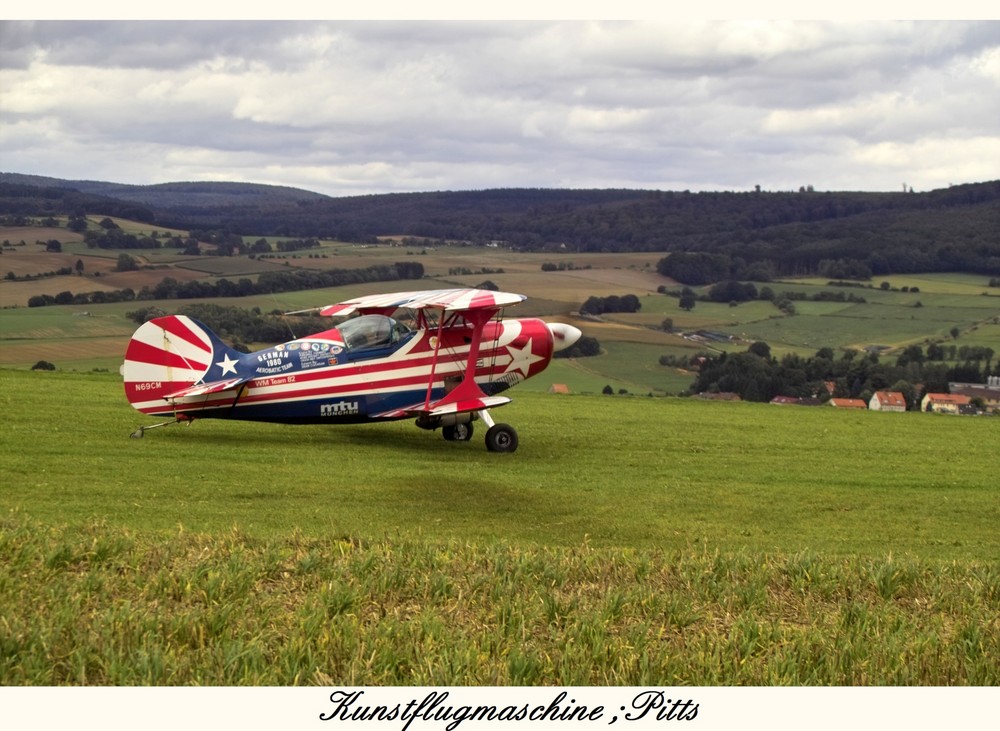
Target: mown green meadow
(629, 540)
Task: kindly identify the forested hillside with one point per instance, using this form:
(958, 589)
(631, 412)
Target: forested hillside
(752, 235)
(164, 196)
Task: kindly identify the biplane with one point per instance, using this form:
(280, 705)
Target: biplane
(441, 357)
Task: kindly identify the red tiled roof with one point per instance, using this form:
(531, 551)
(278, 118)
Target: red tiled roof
(890, 398)
(849, 403)
(948, 398)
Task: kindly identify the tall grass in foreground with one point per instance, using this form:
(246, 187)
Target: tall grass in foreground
(98, 605)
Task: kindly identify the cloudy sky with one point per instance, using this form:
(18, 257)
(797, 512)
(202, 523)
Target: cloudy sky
(355, 107)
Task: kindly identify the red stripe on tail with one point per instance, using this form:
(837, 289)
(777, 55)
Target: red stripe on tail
(174, 326)
(142, 353)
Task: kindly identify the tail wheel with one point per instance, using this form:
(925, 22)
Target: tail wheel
(501, 438)
(457, 432)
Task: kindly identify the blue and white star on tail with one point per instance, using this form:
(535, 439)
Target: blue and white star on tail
(227, 364)
(522, 359)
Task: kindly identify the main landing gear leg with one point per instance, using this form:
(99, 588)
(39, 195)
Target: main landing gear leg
(499, 437)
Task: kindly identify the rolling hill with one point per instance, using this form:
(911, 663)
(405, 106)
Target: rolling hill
(788, 233)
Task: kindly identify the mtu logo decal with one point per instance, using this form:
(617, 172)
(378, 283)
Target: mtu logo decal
(341, 408)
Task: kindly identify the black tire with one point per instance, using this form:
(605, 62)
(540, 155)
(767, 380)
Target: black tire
(501, 438)
(457, 432)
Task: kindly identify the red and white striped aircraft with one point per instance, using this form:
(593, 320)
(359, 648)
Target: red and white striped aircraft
(445, 369)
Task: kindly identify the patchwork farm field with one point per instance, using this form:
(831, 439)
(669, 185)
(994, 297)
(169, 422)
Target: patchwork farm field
(629, 541)
(94, 336)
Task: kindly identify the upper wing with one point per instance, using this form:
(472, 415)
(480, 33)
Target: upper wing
(450, 300)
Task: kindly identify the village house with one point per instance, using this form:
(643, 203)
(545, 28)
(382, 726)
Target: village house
(848, 403)
(988, 393)
(887, 401)
(944, 403)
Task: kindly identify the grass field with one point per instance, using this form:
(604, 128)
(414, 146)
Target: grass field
(614, 471)
(629, 540)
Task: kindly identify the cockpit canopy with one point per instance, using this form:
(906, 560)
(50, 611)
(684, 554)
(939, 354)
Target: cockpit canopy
(371, 331)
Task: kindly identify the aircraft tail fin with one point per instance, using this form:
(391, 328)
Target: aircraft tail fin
(168, 354)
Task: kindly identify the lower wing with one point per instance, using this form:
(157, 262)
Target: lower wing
(443, 407)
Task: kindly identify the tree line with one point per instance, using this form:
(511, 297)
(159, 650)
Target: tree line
(700, 268)
(734, 292)
(585, 347)
(267, 282)
(223, 243)
(613, 303)
(757, 376)
(849, 235)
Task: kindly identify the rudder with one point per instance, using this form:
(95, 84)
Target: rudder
(167, 354)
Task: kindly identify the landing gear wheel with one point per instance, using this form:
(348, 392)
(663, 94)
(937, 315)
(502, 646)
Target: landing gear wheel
(457, 432)
(501, 438)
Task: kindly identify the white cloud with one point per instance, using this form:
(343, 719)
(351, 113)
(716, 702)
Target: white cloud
(958, 160)
(359, 107)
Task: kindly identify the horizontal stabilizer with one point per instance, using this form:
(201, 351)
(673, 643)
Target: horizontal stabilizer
(204, 389)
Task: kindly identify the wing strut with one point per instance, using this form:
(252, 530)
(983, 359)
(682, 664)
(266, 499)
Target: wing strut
(468, 389)
(434, 360)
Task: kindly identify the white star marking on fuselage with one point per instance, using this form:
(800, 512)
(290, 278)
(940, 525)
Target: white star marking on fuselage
(227, 365)
(522, 359)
